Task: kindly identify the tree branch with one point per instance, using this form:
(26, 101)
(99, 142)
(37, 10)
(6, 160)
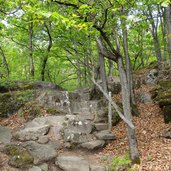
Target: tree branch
(66, 4)
(114, 105)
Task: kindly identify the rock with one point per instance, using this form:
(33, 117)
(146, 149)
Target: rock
(43, 140)
(11, 102)
(44, 167)
(101, 126)
(55, 99)
(144, 97)
(40, 152)
(77, 138)
(167, 113)
(5, 135)
(152, 77)
(105, 135)
(97, 168)
(167, 134)
(19, 157)
(80, 126)
(56, 123)
(92, 145)
(72, 163)
(32, 133)
(35, 168)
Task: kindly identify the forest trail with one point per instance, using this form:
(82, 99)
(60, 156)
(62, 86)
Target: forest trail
(154, 149)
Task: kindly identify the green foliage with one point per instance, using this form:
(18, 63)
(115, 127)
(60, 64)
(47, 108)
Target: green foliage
(120, 162)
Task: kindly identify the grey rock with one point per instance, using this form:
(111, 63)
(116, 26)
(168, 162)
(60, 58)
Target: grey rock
(167, 134)
(72, 163)
(97, 168)
(56, 123)
(32, 133)
(5, 135)
(101, 126)
(43, 140)
(55, 99)
(35, 168)
(80, 126)
(105, 135)
(75, 137)
(49, 120)
(152, 77)
(144, 97)
(40, 152)
(44, 167)
(92, 145)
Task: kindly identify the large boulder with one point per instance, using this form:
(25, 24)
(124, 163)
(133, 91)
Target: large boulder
(40, 152)
(19, 157)
(32, 133)
(161, 94)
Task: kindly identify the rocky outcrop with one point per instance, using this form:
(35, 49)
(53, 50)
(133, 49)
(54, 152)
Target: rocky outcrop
(162, 95)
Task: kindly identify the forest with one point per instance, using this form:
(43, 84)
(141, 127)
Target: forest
(78, 44)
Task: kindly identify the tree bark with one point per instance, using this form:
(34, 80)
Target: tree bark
(102, 70)
(4, 61)
(48, 29)
(128, 63)
(30, 31)
(168, 23)
(134, 154)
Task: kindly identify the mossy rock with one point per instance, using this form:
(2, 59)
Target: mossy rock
(55, 111)
(11, 102)
(165, 84)
(19, 157)
(167, 113)
(31, 110)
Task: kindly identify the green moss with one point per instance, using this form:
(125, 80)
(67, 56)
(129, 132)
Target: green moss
(20, 158)
(11, 102)
(119, 162)
(54, 111)
(167, 113)
(165, 84)
(30, 110)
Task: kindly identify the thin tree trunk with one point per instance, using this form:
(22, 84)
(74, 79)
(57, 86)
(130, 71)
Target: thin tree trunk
(134, 154)
(133, 146)
(163, 29)
(154, 31)
(110, 72)
(48, 29)
(168, 23)
(102, 70)
(4, 61)
(128, 63)
(30, 31)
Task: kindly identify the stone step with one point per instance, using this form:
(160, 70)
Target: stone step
(77, 163)
(93, 145)
(105, 135)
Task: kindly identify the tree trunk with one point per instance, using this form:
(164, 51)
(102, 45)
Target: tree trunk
(134, 154)
(102, 70)
(128, 63)
(154, 31)
(168, 23)
(30, 31)
(4, 61)
(48, 29)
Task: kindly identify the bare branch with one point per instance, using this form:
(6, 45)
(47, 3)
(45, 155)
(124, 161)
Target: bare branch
(114, 105)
